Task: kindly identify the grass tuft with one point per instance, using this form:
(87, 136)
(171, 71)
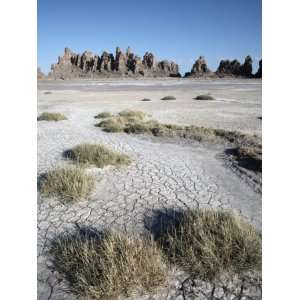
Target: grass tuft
(97, 155)
(132, 114)
(45, 116)
(103, 115)
(111, 125)
(119, 122)
(106, 265)
(204, 97)
(69, 184)
(209, 243)
(168, 98)
(137, 127)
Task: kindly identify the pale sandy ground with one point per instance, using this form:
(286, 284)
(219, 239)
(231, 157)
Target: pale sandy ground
(163, 175)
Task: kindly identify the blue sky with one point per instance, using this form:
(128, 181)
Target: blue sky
(180, 30)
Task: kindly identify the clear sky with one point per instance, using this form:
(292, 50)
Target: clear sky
(179, 30)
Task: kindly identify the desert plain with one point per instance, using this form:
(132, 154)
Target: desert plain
(165, 173)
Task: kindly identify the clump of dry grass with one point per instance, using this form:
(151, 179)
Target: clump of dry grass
(211, 243)
(97, 155)
(168, 98)
(121, 121)
(138, 127)
(204, 97)
(103, 115)
(45, 116)
(69, 184)
(132, 114)
(106, 265)
(111, 125)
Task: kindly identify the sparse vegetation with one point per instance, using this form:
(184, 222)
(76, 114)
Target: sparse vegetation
(132, 114)
(45, 116)
(103, 115)
(111, 125)
(97, 155)
(119, 122)
(68, 184)
(248, 149)
(204, 97)
(106, 265)
(146, 99)
(210, 243)
(137, 128)
(136, 122)
(168, 98)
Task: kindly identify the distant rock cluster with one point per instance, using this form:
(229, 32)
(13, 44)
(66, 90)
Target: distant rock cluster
(235, 68)
(128, 64)
(227, 68)
(72, 65)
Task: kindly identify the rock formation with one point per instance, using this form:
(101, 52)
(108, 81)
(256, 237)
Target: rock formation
(199, 69)
(258, 74)
(40, 74)
(235, 69)
(227, 67)
(246, 68)
(89, 65)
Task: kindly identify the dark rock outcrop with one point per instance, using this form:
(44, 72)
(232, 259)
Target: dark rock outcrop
(246, 68)
(233, 68)
(89, 65)
(227, 67)
(148, 60)
(258, 74)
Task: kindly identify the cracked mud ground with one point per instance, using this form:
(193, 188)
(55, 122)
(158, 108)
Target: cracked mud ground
(164, 174)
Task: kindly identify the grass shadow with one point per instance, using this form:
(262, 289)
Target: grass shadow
(248, 162)
(161, 220)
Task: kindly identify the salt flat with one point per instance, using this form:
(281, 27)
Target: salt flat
(164, 174)
(237, 107)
